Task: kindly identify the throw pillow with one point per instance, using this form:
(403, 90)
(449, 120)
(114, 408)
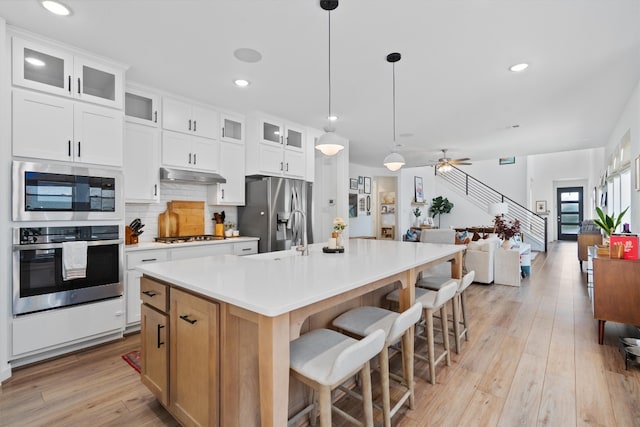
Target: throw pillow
(462, 238)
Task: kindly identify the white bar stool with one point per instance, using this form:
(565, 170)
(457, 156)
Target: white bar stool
(360, 321)
(323, 359)
(459, 311)
(431, 301)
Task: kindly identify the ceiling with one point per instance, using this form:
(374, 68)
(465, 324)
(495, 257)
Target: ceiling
(453, 86)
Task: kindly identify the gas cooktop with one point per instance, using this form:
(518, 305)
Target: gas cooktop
(185, 239)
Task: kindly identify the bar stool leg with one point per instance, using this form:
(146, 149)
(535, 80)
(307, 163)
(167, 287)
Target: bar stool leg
(407, 365)
(367, 399)
(456, 322)
(325, 406)
(445, 333)
(384, 381)
(464, 317)
(428, 315)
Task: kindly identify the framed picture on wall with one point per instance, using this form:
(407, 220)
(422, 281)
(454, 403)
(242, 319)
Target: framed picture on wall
(367, 185)
(353, 184)
(541, 206)
(417, 187)
(506, 160)
(353, 205)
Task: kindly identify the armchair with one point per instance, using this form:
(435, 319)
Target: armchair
(480, 257)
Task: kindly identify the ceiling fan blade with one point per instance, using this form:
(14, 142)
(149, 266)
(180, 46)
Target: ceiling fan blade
(464, 159)
(462, 163)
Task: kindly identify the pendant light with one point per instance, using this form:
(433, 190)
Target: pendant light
(329, 143)
(394, 161)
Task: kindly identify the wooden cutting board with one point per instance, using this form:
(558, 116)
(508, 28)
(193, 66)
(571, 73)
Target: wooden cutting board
(167, 224)
(190, 217)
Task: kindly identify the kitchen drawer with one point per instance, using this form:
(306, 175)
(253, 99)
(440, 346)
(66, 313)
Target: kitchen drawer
(155, 294)
(200, 251)
(134, 259)
(245, 248)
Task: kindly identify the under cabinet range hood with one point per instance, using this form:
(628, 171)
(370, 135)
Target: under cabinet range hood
(190, 177)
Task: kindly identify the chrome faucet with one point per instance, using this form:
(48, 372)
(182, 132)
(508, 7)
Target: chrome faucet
(304, 248)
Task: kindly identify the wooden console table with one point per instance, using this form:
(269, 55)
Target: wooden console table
(616, 292)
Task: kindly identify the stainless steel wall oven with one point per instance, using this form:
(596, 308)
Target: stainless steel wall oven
(37, 267)
(64, 192)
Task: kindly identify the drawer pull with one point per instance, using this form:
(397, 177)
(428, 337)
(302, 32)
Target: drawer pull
(160, 342)
(150, 294)
(186, 319)
(149, 259)
(246, 249)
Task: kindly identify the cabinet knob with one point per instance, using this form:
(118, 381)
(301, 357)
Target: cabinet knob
(223, 132)
(281, 165)
(194, 156)
(78, 148)
(69, 147)
(155, 189)
(189, 124)
(160, 342)
(189, 158)
(155, 116)
(79, 85)
(194, 125)
(69, 81)
(223, 194)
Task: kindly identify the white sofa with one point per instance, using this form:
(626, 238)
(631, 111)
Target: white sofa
(480, 255)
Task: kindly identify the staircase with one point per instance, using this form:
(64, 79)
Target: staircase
(532, 225)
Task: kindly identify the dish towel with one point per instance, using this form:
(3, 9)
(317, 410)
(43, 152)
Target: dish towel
(74, 260)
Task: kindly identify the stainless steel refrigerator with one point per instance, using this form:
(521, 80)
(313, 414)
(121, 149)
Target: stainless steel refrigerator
(269, 212)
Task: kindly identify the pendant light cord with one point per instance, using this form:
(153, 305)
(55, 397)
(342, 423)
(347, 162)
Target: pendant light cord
(394, 104)
(329, 63)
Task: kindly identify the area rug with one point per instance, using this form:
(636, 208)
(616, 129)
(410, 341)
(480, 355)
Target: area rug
(133, 359)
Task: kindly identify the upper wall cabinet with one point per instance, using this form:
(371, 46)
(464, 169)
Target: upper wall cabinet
(141, 107)
(54, 128)
(275, 147)
(49, 69)
(181, 116)
(232, 128)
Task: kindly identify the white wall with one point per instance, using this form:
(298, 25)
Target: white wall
(629, 120)
(5, 189)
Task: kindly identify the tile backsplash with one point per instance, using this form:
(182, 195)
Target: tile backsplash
(148, 213)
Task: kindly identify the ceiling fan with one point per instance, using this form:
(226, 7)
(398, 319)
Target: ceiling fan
(444, 163)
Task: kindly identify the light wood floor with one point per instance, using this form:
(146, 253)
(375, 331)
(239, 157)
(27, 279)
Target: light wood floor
(532, 359)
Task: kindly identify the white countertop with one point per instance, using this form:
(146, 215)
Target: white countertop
(155, 245)
(272, 284)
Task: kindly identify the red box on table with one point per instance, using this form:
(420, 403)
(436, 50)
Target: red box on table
(630, 242)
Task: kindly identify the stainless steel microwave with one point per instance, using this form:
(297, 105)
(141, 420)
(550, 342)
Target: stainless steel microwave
(65, 192)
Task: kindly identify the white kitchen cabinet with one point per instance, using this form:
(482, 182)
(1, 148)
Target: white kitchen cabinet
(190, 152)
(200, 251)
(132, 284)
(181, 116)
(141, 163)
(232, 169)
(141, 107)
(232, 128)
(54, 128)
(245, 248)
(62, 72)
(275, 147)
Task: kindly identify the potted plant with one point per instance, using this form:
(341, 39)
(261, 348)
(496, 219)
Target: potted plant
(506, 229)
(609, 223)
(416, 213)
(440, 205)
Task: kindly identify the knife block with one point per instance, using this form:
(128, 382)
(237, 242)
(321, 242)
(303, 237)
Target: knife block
(129, 238)
(219, 230)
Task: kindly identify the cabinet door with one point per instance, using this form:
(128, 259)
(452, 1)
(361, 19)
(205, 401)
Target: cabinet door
(294, 138)
(270, 132)
(271, 161)
(141, 107)
(98, 135)
(141, 163)
(176, 149)
(98, 83)
(294, 164)
(194, 359)
(206, 154)
(201, 250)
(132, 293)
(43, 68)
(176, 115)
(154, 352)
(231, 168)
(205, 122)
(232, 128)
(42, 126)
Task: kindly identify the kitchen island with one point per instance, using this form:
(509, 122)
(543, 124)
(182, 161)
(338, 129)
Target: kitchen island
(259, 304)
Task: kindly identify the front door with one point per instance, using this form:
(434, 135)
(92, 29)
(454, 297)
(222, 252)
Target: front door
(569, 212)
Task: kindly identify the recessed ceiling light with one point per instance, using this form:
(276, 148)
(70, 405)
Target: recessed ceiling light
(241, 82)
(519, 67)
(56, 8)
(245, 54)
(34, 61)
(332, 118)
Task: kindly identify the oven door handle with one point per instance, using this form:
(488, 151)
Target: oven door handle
(38, 246)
